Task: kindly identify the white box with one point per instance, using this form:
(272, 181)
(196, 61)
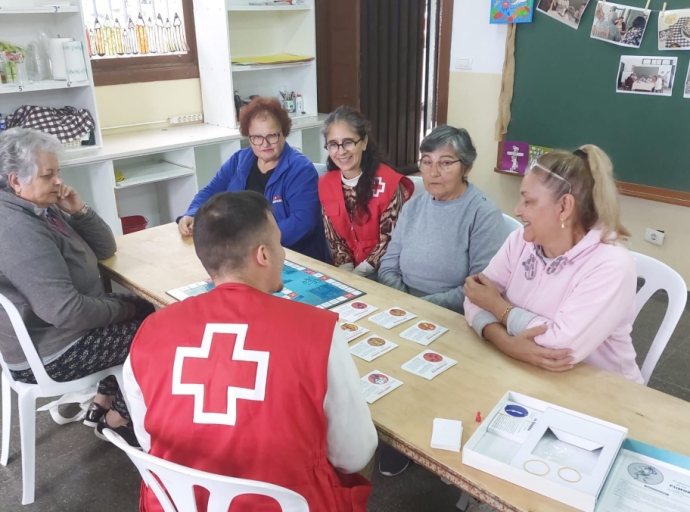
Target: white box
(566, 456)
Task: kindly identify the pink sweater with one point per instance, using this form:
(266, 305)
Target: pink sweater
(586, 298)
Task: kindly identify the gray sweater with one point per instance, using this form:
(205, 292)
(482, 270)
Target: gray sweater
(51, 277)
(436, 245)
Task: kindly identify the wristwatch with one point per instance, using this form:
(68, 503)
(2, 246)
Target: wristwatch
(84, 210)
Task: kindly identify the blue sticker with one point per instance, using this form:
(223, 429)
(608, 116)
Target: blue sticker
(516, 410)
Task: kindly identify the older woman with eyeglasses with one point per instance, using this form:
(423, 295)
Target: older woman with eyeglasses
(562, 290)
(447, 234)
(361, 196)
(282, 174)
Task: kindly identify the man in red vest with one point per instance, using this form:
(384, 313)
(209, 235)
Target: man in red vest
(241, 383)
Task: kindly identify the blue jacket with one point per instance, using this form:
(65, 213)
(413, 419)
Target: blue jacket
(292, 192)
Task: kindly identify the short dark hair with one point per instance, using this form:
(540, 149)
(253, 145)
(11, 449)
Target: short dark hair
(227, 227)
(639, 22)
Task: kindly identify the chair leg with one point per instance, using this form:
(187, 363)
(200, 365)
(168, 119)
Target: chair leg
(6, 418)
(463, 502)
(27, 427)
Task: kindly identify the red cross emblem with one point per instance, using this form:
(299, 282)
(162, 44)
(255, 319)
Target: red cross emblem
(215, 363)
(380, 187)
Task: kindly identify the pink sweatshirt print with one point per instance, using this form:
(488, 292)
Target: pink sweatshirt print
(586, 297)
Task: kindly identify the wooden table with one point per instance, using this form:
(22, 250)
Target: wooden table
(153, 261)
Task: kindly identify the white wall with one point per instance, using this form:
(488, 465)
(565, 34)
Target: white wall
(473, 104)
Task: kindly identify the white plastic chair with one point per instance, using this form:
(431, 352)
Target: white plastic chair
(418, 182)
(511, 224)
(659, 276)
(27, 395)
(179, 482)
(321, 169)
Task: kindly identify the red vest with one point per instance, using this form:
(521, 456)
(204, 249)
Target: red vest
(272, 428)
(364, 235)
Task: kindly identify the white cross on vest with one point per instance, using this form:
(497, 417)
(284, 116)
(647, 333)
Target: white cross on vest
(380, 187)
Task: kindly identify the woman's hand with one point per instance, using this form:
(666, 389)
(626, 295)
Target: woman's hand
(523, 348)
(69, 200)
(483, 293)
(186, 225)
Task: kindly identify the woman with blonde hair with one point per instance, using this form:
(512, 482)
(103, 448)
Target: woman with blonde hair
(562, 289)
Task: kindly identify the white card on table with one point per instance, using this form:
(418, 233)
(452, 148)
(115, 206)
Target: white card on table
(429, 364)
(446, 435)
(353, 311)
(392, 317)
(352, 331)
(377, 384)
(371, 348)
(423, 332)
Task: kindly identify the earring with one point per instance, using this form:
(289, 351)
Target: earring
(562, 224)
(17, 193)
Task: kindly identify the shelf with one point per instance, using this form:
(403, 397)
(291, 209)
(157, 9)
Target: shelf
(43, 85)
(264, 8)
(150, 172)
(53, 9)
(239, 68)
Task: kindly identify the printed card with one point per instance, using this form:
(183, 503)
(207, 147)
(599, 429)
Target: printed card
(428, 364)
(371, 348)
(352, 331)
(353, 311)
(377, 384)
(423, 332)
(392, 317)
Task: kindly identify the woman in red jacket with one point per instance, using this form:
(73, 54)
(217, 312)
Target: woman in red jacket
(361, 196)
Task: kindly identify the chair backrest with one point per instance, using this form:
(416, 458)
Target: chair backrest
(179, 482)
(510, 224)
(418, 182)
(659, 276)
(27, 345)
(321, 169)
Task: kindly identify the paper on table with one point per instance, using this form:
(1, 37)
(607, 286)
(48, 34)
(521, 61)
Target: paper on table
(352, 331)
(353, 311)
(392, 317)
(428, 364)
(423, 332)
(371, 348)
(638, 483)
(377, 384)
(446, 434)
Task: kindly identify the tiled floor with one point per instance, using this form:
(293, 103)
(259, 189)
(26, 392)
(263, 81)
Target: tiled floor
(78, 473)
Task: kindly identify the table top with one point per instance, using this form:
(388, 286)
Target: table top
(158, 259)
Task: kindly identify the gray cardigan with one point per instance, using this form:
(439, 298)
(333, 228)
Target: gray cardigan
(52, 277)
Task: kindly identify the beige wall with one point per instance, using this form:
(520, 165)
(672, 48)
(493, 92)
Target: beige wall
(120, 105)
(473, 104)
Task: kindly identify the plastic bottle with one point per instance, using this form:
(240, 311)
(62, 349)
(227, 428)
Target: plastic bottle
(300, 104)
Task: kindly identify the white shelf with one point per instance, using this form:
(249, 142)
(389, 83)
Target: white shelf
(43, 85)
(53, 9)
(150, 172)
(255, 8)
(238, 68)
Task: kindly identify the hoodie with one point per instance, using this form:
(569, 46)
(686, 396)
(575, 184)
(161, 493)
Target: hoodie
(586, 298)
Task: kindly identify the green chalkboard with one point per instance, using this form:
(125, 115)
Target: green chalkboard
(565, 96)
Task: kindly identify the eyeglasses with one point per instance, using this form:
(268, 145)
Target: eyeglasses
(258, 140)
(443, 166)
(550, 172)
(347, 145)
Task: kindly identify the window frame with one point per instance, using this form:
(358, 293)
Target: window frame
(152, 69)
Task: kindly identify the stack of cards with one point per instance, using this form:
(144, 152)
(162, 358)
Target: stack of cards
(423, 332)
(352, 331)
(447, 435)
(392, 317)
(377, 384)
(353, 311)
(371, 348)
(428, 364)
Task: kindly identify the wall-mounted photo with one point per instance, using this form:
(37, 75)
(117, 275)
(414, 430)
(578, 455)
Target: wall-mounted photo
(686, 89)
(566, 11)
(619, 24)
(674, 30)
(646, 75)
